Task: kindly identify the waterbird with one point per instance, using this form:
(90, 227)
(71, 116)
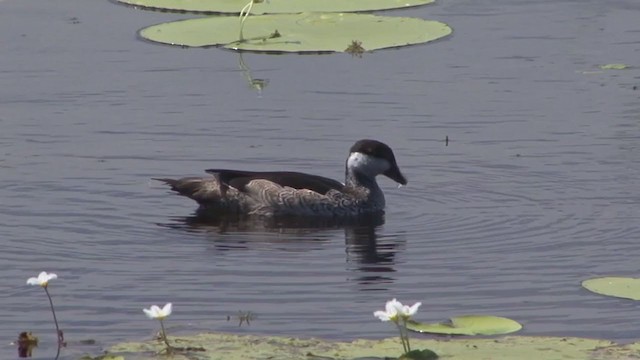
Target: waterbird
(287, 193)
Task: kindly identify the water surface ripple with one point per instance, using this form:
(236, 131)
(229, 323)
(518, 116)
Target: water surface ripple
(536, 190)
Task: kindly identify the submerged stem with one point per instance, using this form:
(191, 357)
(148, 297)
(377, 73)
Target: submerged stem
(55, 320)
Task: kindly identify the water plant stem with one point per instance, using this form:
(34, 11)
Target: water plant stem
(55, 320)
(404, 345)
(244, 13)
(406, 333)
(164, 337)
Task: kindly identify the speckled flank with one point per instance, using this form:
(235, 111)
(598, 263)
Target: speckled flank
(280, 193)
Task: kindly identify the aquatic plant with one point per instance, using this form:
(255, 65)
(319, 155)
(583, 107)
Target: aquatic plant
(244, 13)
(26, 342)
(469, 325)
(222, 345)
(399, 314)
(43, 281)
(243, 317)
(309, 33)
(154, 312)
(622, 287)
(230, 7)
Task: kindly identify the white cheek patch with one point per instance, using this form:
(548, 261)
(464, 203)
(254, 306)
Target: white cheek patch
(366, 164)
(356, 160)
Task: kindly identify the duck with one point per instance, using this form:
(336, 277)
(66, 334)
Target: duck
(288, 193)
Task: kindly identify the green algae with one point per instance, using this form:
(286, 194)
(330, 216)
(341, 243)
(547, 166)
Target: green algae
(236, 347)
(103, 357)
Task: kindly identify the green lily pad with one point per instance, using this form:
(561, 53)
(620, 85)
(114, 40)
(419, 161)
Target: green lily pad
(298, 33)
(622, 287)
(468, 325)
(273, 6)
(614, 67)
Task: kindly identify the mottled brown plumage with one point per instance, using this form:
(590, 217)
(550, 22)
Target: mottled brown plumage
(292, 193)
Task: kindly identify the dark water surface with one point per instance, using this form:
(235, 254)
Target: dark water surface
(537, 190)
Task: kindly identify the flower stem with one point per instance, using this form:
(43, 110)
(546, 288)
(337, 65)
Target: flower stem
(404, 345)
(406, 334)
(55, 320)
(243, 17)
(164, 337)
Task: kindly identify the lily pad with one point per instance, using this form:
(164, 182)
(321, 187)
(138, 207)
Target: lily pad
(614, 67)
(468, 325)
(273, 6)
(298, 33)
(622, 287)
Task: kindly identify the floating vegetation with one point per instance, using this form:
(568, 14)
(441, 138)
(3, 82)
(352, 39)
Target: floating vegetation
(273, 6)
(254, 83)
(468, 325)
(243, 317)
(622, 287)
(424, 354)
(103, 357)
(298, 33)
(236, 347)
(245, 12)
(355, 48)
(614, 67)
(26, 343)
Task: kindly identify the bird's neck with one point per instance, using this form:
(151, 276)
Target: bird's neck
(360, 183)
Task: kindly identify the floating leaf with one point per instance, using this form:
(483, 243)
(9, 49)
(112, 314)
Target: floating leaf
(273, 6)
(424, 354)
(300, 33)
(614, 67)
(622, 287)
(468, 325)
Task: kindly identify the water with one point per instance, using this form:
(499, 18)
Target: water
(536, 190)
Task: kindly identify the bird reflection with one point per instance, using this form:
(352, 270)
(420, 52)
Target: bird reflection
(369, 257)
(220, 222)
(372, 260)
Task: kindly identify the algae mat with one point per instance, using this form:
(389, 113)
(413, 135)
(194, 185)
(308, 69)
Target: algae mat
(298, 33)
(236, 347)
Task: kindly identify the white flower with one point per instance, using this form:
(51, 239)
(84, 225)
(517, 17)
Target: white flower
(390, 312)
(156, 313)
(394, 308)
(409, 311)
(42, 279)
